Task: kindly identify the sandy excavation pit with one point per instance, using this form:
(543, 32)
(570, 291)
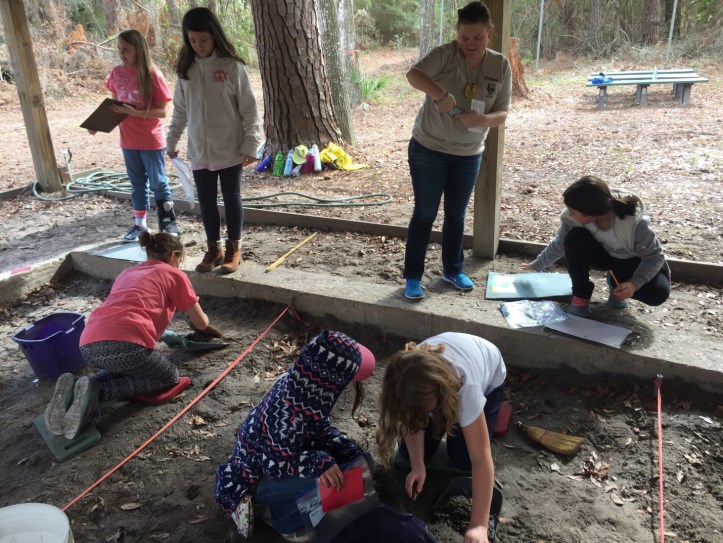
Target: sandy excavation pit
(607, 492)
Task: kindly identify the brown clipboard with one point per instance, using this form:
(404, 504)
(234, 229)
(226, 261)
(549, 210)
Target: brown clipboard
(104, 119)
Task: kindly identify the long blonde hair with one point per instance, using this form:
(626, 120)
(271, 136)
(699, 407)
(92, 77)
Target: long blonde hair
(415, 377)
(144, 64)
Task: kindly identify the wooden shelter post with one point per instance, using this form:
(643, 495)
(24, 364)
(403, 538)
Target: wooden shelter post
(17, 35)
(487, 194)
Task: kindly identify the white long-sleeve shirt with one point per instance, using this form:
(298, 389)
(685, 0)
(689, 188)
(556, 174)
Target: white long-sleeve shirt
(218, 106)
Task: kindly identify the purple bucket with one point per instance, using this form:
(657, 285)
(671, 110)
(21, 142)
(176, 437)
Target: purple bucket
(51, 344)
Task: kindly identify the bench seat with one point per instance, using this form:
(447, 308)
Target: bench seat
(681, 79)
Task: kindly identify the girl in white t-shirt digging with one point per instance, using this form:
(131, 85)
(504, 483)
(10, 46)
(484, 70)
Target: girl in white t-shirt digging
(450, 381)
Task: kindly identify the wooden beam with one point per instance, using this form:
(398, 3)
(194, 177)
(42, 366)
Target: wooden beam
(487, 195)
(17, 35)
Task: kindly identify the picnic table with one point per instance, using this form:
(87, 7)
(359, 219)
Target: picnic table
(682, 81)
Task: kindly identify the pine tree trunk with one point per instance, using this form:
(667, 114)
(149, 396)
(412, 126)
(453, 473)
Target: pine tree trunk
(174, 18)
(669, 13)
(651, 22)
(298, 106)
(112, 16)
(596, 26)
(426, 27)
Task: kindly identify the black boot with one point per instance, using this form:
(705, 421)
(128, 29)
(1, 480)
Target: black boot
(166, 217)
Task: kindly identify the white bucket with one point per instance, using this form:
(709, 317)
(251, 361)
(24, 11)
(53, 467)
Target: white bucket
(34, 523)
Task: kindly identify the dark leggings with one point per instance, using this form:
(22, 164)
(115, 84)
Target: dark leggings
(207, 189)
(583, 252)
(128, 370)
(456, 444)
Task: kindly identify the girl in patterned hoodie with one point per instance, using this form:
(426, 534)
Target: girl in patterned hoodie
(607, 230)
(287, 441)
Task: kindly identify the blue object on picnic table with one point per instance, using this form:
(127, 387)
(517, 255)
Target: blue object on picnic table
(601, 79)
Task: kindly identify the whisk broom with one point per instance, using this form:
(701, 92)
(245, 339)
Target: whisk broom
(554, 441)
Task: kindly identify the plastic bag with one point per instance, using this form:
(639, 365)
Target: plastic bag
(185, 176)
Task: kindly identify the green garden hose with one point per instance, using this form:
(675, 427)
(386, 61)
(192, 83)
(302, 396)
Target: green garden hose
(104, 181)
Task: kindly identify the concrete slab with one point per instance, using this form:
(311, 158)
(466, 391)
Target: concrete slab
(678, 354)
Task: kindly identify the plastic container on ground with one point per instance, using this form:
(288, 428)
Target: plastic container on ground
(34, 522)
(51, 344)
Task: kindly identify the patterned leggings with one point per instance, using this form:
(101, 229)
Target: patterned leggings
(128, 370)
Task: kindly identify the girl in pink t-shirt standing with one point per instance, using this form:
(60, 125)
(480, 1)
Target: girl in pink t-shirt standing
(145, 94)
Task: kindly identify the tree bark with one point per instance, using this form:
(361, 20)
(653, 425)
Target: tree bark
(298, 106)
(174, 16)
(596, 26)
(347, 33)
(651, 22)
(668, 14)
(336, 64)
(112, 16)
(426, 27)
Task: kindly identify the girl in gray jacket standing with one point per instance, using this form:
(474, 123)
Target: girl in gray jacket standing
(607, 230)
(213, 97)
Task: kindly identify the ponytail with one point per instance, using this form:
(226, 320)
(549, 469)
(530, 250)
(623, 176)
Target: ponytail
(160, 246)
(590, 195)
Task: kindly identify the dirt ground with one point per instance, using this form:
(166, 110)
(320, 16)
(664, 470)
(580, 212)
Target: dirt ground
(606, 492)
(667, 153)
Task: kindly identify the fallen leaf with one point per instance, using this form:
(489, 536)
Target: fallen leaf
(197, 520)
(680, 476)
(257, 378)
(555, 467)
(617, 500)
(709, 420)
(130, 506)
(694, 459)
(628, 441)
(610, 487)
(196, 420)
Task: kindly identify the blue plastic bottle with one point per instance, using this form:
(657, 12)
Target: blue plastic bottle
(264, 164)
(289, 163)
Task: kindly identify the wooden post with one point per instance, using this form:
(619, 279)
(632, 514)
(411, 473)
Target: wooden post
(17, 35)
(487, 194)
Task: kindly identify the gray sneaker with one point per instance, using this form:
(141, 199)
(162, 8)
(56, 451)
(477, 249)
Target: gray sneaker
(85, 403)
(59, 404)
(134, 233)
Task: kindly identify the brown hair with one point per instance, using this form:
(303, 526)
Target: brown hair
(413, 379)
(590, 195)
(160, 246)
(202, 20)
(473, 13)
(144, 65)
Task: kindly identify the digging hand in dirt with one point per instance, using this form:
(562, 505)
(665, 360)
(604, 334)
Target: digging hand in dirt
(210, 330)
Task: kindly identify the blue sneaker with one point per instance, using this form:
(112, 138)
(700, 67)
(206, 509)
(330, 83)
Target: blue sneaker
(612, 302)
(580, 307)
(459, 280)
(413, 289)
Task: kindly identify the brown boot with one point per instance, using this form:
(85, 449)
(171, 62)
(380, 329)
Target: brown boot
(232, 258)
(212, 258)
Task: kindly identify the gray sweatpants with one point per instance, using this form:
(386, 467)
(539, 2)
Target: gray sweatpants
(128, 369)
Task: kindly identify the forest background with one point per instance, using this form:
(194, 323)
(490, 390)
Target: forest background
(74, 39)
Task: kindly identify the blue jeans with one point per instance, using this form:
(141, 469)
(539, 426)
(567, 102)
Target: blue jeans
(147, 169)
(207, 182)
(280, 496)
(433, 174)
(456, 445)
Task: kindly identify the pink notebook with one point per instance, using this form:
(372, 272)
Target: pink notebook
(353, 491)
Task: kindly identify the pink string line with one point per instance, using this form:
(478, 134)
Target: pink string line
(183, 411)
